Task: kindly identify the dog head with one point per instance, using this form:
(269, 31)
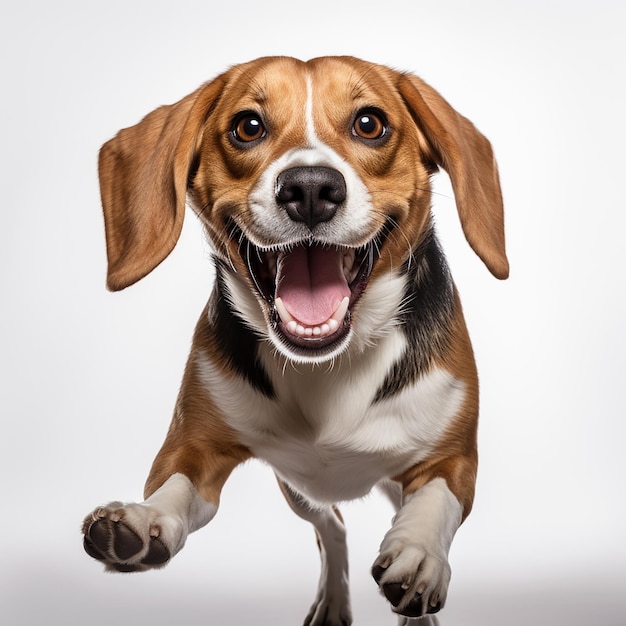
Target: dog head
(312, 181)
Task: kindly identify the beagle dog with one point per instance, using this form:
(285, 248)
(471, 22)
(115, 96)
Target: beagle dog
(333, 345)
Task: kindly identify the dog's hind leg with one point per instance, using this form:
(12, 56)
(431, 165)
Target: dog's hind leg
(332, 603)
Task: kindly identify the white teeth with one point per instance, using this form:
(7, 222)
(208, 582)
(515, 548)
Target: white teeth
(339, 315)
(322, 330)
(286, 318)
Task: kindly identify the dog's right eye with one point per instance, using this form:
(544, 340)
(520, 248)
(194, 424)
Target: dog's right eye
(248, 127)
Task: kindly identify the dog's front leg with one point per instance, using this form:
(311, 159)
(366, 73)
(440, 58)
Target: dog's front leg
(412, 568)
(181, 495)
(130, 537)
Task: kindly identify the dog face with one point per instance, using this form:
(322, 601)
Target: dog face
(317, 173)
(312, 181)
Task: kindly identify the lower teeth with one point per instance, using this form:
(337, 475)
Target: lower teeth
(322, 330)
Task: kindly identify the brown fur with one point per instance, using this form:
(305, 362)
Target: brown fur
(183, 150)
(144, 173)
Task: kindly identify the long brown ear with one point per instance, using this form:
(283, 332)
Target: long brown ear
(467, 156)
(143, 183)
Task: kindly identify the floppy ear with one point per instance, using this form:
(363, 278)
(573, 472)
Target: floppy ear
(143, 184)
(467, 156)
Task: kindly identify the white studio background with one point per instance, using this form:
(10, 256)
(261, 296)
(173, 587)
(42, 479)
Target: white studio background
(89, 378)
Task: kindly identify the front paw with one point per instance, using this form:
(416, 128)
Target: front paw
(131, 537)
(413, 580)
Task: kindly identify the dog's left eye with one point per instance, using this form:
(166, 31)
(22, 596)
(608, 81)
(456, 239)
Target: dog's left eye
(248, 127)
(369, 125)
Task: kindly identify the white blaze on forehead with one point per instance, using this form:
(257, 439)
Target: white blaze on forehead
(310, 124)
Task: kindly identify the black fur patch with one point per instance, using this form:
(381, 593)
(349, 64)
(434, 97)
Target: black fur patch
(426, 315)
(236, 340)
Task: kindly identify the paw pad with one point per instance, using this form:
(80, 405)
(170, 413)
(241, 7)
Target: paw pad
(115, 543)
(395, 593)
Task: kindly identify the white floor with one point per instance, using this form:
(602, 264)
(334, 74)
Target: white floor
(38, 595)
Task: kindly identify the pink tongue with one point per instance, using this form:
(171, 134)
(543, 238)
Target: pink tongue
(311, 283)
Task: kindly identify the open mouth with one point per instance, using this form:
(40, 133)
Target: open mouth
(311, 287)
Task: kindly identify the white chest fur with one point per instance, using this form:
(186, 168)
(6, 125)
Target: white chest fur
(324, 434)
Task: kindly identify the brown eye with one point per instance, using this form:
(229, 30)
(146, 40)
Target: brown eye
(248, 127)
(369, 125)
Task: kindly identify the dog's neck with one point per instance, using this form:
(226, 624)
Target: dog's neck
(419, 305)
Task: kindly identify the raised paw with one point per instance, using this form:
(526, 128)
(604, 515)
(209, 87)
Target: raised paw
(414, 582)
(131, 537)
(412, 569)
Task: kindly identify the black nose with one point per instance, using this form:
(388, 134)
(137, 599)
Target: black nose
(310, 194)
